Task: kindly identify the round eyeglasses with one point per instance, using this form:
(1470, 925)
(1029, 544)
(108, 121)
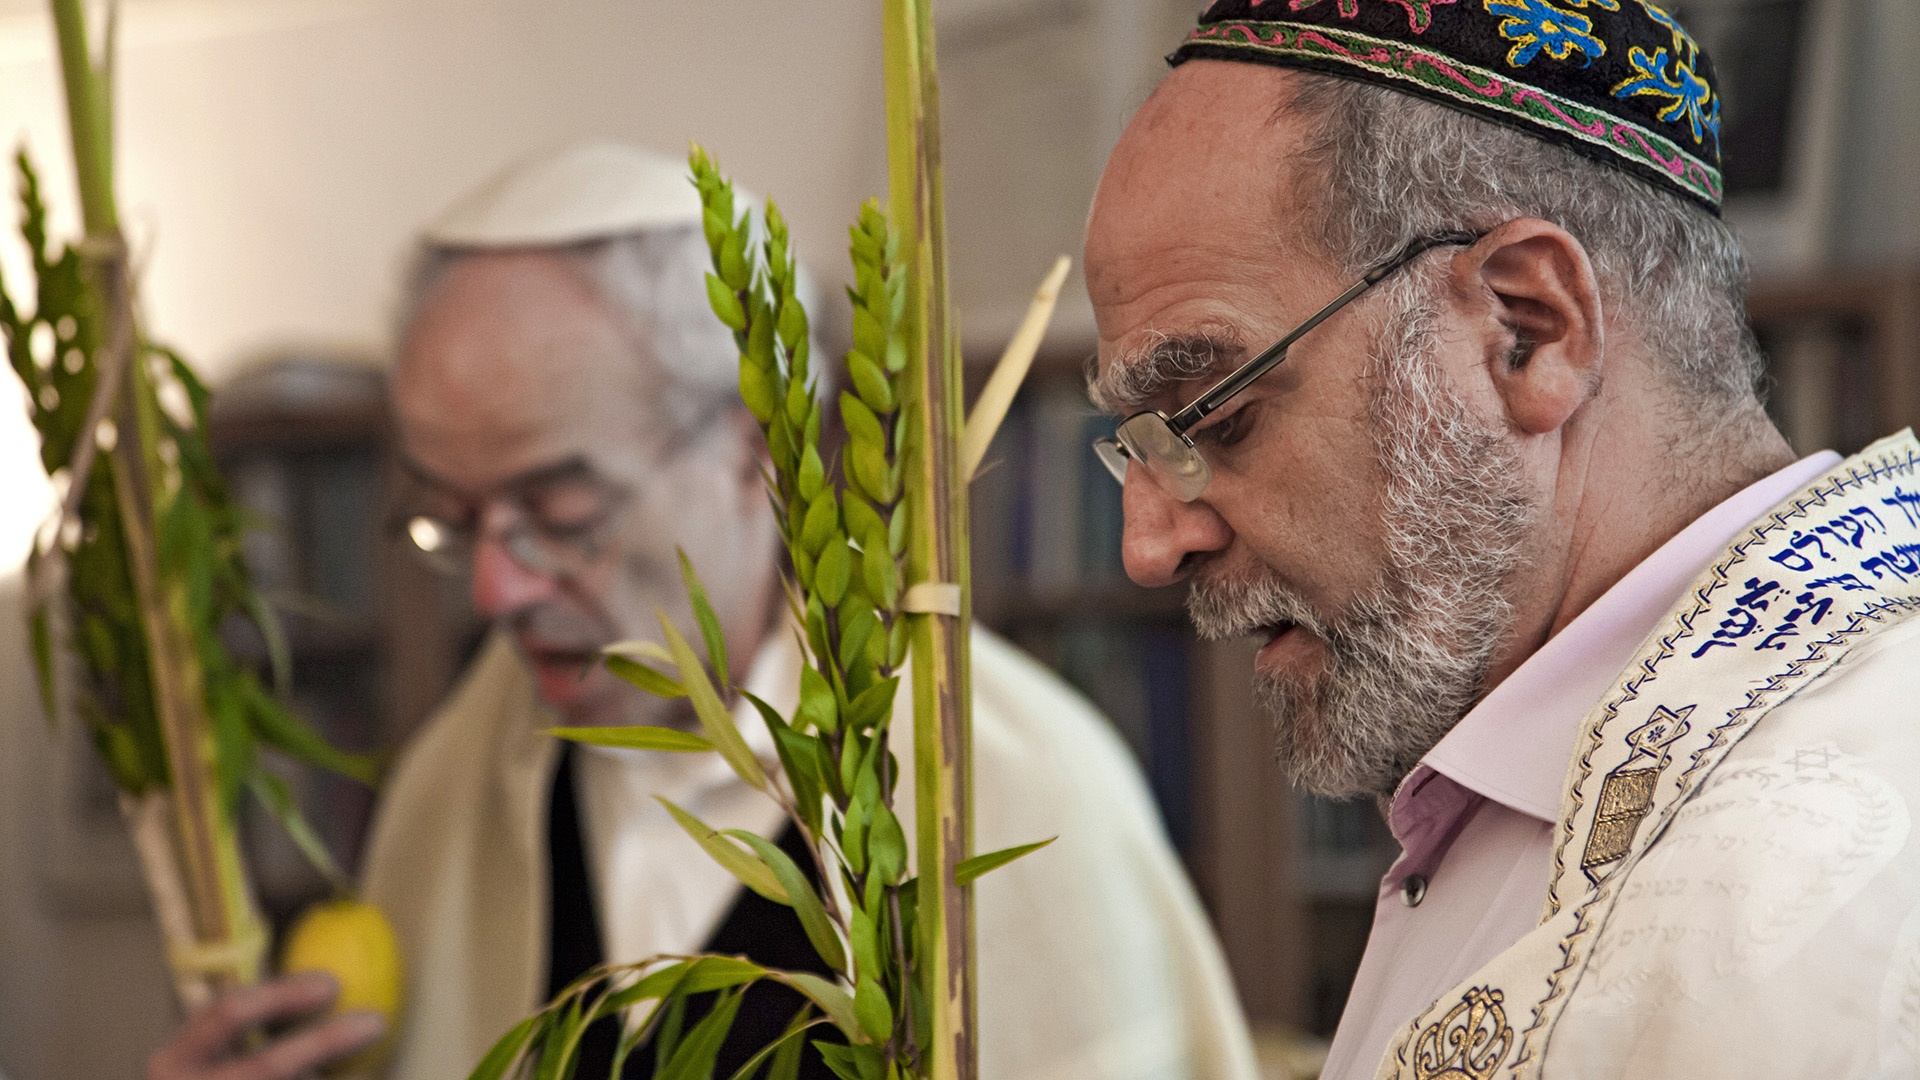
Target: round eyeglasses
(1161, 443)
(556, 525)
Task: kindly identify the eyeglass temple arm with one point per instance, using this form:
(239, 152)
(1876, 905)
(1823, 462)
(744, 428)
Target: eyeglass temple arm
(1247, 373)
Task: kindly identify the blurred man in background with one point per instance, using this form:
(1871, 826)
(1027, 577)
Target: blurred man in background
(568, 411)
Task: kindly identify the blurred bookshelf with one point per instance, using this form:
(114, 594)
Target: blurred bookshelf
(373, 637)
(1843, 355)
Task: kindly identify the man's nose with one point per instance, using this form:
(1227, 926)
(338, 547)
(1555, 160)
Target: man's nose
(1161, 531)
(501, 586)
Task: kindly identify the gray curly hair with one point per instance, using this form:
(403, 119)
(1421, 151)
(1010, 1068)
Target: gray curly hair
(1385, 167)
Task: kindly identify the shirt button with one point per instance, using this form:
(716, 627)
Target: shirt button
(1414, 889)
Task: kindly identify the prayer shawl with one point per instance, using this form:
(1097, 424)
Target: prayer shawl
(1733, 892)
(1094, 957)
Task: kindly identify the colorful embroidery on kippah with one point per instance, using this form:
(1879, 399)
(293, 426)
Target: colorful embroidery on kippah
(1535, 26)
(1689, 97)
(1419, 12)
(1618, 80)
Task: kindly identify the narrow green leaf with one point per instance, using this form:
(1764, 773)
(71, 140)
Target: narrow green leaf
(557, 1049)
(714, 717)
(278, 727)
(973, 868)
(864, 937)
(42, 634)
(801, 897)
(785, 1051)
(273, 794)
(640, 675)
(279, 656)
(694, 1060)
(870, 1007)
(635, 737)
(709, 622)
(843, 1060)
(887, 846)
(499, 1059)
(673, 1021)
(832, 998)
(696, 976)
(639, 649)
(750, 871)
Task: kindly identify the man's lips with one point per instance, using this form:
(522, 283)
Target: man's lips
(1281, 645)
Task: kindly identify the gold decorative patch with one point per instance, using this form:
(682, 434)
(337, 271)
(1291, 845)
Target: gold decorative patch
(1468, 1043)
(1626, 793)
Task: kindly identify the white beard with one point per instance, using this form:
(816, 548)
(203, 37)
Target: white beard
(1409, 656)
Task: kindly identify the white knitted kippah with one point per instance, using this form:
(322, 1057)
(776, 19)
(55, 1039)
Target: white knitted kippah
(588, 191)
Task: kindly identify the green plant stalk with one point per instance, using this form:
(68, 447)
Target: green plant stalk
(89, 121)
(230, 939)
(937, 549)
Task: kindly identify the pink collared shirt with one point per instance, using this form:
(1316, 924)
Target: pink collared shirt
(1475, 818)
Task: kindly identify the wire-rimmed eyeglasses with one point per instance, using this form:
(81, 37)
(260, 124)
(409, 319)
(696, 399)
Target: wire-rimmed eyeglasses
(1161, 443)
(557, 522)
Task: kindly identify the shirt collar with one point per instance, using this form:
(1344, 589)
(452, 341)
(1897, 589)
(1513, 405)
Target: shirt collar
(1514, 745)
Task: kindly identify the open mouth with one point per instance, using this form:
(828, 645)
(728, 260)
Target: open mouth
(1273, 632)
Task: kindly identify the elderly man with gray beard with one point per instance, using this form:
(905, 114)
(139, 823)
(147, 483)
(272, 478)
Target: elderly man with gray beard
(568, 408)
(1635, 689)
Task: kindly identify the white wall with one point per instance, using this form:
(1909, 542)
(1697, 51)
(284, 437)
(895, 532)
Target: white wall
(276, 154)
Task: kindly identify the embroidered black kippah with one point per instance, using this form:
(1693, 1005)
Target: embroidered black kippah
(1618, 80)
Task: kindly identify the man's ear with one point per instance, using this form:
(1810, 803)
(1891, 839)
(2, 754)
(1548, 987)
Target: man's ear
(1544, 300)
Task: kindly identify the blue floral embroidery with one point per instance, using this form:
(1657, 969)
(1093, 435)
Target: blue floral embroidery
(1687, 94)
(1536, 26)
(1683, 43)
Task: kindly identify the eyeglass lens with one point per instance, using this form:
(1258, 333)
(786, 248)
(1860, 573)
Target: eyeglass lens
(1172, 461)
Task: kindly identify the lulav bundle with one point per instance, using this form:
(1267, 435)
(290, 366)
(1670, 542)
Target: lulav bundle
(845, 541)
(134, 577)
